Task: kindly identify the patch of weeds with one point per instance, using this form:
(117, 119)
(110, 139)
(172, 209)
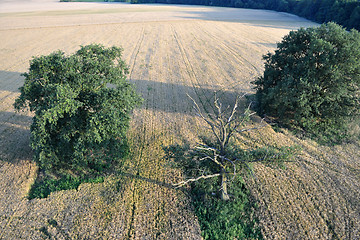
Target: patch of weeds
(218, 219)
(59, 179)
(273, 156)
(233, 219)
(53, 222)
(45, 232)
(45, 185)
(324, 133)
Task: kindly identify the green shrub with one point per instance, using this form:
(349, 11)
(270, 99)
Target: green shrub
(312, 81)
(234, 219)
(82, 106)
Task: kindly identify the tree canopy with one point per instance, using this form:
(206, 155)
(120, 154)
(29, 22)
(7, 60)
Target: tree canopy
(312, 80)
(82, 106)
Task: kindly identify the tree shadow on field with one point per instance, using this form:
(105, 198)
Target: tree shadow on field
(174, 97)
(158, 96)
(10, 83)
(159, 183)
(14, 137)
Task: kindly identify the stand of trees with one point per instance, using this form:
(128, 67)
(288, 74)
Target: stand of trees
(343, 12)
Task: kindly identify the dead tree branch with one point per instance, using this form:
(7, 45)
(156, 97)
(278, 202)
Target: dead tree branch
(224, 122)
(180, 184)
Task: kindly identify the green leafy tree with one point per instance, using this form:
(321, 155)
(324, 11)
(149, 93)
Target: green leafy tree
(82, 106)
(312, 80)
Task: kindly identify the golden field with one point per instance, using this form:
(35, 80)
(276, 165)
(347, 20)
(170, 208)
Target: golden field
(171, 51)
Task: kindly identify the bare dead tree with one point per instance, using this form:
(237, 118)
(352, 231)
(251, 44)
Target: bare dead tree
(224, 123)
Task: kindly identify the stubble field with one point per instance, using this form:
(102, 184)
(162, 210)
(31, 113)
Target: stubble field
(171, 51)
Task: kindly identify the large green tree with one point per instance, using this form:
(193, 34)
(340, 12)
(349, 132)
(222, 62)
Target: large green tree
(82, 106)
(312, 80)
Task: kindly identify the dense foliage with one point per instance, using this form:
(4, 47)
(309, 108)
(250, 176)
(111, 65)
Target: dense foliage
(344, 12)
(82, 104)
(46, 185)
(234, 219)
(313, 80)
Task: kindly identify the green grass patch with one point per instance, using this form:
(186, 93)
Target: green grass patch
(43, 186)
(65, 178)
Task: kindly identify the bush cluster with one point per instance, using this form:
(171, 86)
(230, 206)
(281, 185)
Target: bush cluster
(218, 219)
(82, 106)
(312, 81)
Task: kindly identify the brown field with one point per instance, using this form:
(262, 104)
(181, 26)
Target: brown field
(171, 51)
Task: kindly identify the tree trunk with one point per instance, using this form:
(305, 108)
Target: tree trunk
(224, 193)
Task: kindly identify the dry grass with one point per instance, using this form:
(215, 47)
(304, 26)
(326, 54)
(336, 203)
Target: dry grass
(171, 51)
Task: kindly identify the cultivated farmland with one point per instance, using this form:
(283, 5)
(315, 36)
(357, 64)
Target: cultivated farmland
(171, 51)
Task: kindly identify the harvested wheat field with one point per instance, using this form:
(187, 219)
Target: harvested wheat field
(171, 51)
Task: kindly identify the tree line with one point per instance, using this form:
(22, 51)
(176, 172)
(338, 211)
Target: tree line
(343, 12)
